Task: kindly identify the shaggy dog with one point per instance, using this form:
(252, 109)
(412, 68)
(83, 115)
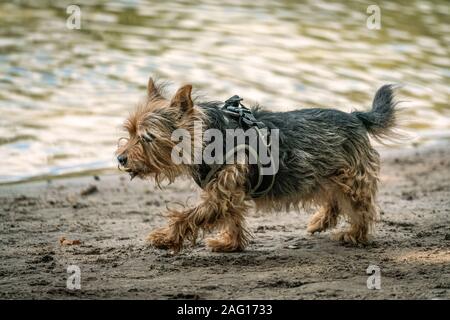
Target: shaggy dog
(324, 158)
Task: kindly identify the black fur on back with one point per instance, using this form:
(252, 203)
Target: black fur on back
(315, 143)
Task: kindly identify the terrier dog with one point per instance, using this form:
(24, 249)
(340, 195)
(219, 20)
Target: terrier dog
(325, 159)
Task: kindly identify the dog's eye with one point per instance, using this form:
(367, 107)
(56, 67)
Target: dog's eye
(147, 137)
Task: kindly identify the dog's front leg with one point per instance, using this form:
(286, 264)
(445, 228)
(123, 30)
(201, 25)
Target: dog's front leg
(179, 228)
(223, 204)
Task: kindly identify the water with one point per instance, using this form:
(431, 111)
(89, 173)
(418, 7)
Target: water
(64, 93)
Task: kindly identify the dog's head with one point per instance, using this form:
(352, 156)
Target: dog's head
(147, 151)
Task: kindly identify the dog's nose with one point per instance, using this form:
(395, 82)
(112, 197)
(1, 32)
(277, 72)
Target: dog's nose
(122, 159)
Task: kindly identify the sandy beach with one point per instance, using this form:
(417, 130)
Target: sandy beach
(112, 216)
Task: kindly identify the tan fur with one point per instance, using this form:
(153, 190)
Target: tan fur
(222, 206)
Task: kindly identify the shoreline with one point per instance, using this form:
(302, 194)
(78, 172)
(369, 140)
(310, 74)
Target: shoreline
(388, 150)
(113, 217)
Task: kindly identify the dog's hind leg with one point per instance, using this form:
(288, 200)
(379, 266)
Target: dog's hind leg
(361, 216)
(357, 202)
(325, 218)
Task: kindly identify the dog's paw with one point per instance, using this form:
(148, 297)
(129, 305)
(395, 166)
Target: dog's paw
(223, 245)
(313, 228)
(162, 239)
(349, 237)
(316, 224)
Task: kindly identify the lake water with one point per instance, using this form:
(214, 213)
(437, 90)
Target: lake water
(64, 93)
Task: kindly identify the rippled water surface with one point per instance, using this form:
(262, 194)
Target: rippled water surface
(64, 93)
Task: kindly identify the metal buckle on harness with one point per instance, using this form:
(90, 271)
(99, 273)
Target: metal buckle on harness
(234, 101)
(233, 107)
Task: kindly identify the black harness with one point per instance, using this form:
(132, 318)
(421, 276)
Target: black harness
(242, 117)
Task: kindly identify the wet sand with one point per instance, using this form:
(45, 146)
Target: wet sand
(112, 216)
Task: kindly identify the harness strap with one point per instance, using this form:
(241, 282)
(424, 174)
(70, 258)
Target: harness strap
(246, 120)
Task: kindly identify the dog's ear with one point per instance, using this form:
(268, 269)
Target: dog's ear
(182, 99)
(152, 89)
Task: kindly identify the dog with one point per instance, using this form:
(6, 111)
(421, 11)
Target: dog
(325, 159)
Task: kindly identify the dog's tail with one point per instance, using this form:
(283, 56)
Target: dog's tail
(382, 119)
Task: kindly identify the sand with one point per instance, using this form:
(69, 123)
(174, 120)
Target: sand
(112, 216)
